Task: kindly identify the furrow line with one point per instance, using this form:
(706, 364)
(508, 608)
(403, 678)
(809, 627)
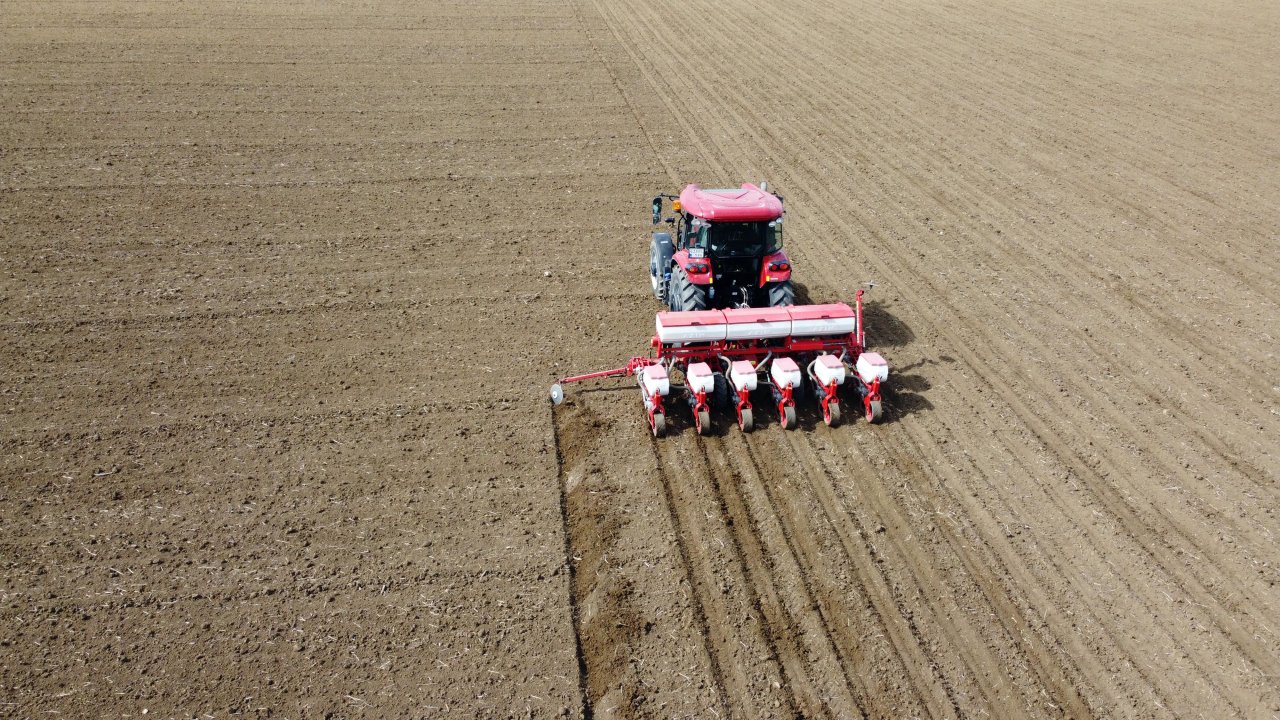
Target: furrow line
(1223, 358)
(933, 592)
(728, 105)
(929, 687)
(575, 613)
(824, 206)
(855, 629)
(1004, 559)
(718, 581)
(986, 574)
(1013, 86)
(783, 582)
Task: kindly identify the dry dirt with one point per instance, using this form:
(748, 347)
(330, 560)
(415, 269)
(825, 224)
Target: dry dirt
(282, 286)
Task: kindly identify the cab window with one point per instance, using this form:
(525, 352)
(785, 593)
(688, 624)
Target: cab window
(741, 239)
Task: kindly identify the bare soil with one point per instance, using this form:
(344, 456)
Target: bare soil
(282, 286)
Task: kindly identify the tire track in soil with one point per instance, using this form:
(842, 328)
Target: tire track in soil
(1228, 360)
(569, 530)
(771, 569)
(774, 576)
(924, 684)
(639, 631)
(892, 512)
(737, 617)
(1135, 530)
(988, 383)
(901, 604)
(818, 678)
(1016, 593)
(828, 572)
(1192, 424)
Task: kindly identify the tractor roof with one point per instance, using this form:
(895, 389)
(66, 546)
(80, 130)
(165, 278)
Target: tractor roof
(745, 204)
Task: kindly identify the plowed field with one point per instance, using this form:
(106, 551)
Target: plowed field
(284, 284)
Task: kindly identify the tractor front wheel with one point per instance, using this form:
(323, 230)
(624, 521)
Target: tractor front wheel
(659, 260)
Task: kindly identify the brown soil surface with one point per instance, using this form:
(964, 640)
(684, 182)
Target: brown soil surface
(283, 286)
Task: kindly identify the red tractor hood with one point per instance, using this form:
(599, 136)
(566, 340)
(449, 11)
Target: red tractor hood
(745, 204)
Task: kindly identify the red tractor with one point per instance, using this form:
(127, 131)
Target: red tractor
(726, 253)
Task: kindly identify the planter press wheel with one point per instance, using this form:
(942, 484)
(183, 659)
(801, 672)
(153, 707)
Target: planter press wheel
(702, 419)
(874, 411)
(659, 424)
(745, 420)
(789, 417)
(831, 413)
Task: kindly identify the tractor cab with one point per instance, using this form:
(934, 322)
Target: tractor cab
(727, 250)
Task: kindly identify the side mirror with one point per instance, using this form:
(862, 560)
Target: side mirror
(657, 210)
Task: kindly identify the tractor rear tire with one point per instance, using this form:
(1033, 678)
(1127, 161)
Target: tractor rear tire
(781, 294)
(723, 397)
(807, 390)
(688, 297)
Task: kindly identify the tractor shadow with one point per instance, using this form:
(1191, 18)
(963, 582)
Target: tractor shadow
(904, 393)
(884, 329)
